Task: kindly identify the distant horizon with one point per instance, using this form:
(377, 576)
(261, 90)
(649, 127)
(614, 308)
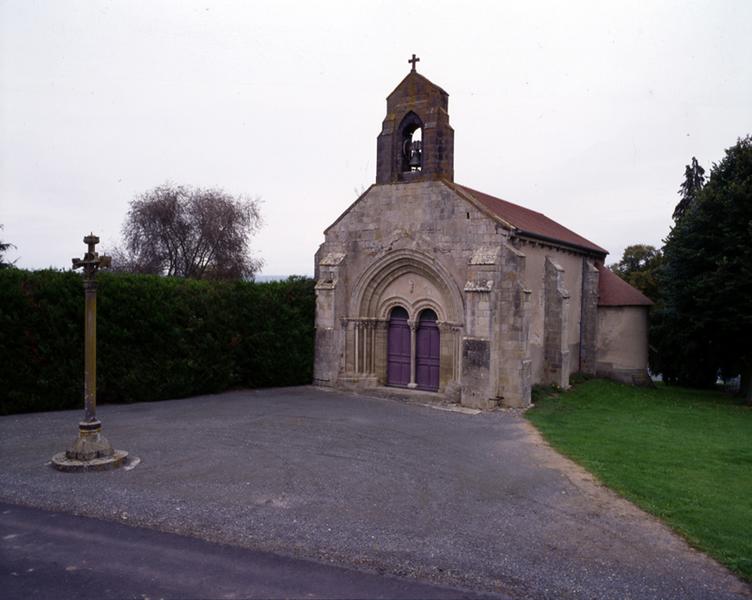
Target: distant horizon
(264, 278)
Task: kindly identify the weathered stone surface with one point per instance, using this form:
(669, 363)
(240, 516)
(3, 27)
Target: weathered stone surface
(515, 366)
(555, 346)
(589, 320)
(88, 446)
(416, 103)
(90, 450)
(71, 465)
(332, 259)
(325, 365)
(476, 366)
(622, 353)
(485, 256)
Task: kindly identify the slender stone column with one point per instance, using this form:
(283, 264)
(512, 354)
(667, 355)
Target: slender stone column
(90, 353)
(413, 329)
(90, 450)
(345, 324)
(357, 347)
(374, 328)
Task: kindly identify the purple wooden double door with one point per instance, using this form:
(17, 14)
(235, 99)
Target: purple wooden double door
(398, 349)
(427, 350)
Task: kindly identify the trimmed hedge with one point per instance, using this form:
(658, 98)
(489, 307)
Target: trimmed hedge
(157, 337)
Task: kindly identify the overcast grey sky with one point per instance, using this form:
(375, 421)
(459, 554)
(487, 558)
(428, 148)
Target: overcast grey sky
(586, 111)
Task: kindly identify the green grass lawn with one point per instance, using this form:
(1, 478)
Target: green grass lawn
(682, 455)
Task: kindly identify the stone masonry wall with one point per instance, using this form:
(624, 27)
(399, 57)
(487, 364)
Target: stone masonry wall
(622, 344)
(535, 276)
(430, 220)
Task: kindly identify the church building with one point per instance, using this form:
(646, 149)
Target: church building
(428, 285)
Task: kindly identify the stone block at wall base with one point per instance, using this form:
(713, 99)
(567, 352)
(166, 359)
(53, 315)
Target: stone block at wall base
(479, 402)
(357, 383)
(408, 395)
(518, 396)
(453, 392)
(513, 403)
(324, 364)
(476, 364)
(638, 377)
(556, 371)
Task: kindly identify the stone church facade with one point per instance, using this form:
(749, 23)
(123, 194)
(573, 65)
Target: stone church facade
(425, 284)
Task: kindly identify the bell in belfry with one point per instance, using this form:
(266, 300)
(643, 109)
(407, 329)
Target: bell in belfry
(415, 155)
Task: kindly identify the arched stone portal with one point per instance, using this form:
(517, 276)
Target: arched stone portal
(393, 292)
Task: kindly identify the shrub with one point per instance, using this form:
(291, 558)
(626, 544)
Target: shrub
(158, 337)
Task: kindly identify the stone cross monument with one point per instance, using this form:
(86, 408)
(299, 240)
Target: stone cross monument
(90, 450)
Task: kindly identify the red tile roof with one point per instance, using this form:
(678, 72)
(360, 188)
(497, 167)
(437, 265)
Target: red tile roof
(614, 291)
(530, 222)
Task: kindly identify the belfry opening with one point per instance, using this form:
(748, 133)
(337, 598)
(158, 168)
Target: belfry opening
(411, 131)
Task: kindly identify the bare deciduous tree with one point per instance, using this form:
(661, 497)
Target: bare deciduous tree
(189, 232)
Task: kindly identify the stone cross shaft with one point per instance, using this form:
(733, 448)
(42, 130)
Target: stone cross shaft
(90, 263)
(90, 450)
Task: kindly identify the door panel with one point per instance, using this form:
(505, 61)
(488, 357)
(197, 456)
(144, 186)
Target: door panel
(398, 349)
(427, 352)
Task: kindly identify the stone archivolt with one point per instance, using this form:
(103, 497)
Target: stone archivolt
(411, 280)
(402, 277)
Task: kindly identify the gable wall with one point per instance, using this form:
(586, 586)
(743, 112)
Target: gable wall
(412, 244)
(426, 216)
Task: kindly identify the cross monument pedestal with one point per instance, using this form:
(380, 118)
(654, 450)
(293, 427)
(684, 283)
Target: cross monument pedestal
(90, 451)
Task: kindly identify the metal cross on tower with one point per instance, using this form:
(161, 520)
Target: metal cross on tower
(413, 60)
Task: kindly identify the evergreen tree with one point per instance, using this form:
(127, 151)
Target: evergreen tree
(694, 180)
(706, 320)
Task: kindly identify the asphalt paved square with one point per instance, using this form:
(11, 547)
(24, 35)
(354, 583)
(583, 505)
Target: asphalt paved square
(475, 500)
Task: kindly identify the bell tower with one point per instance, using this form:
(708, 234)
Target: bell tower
(416, 142)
